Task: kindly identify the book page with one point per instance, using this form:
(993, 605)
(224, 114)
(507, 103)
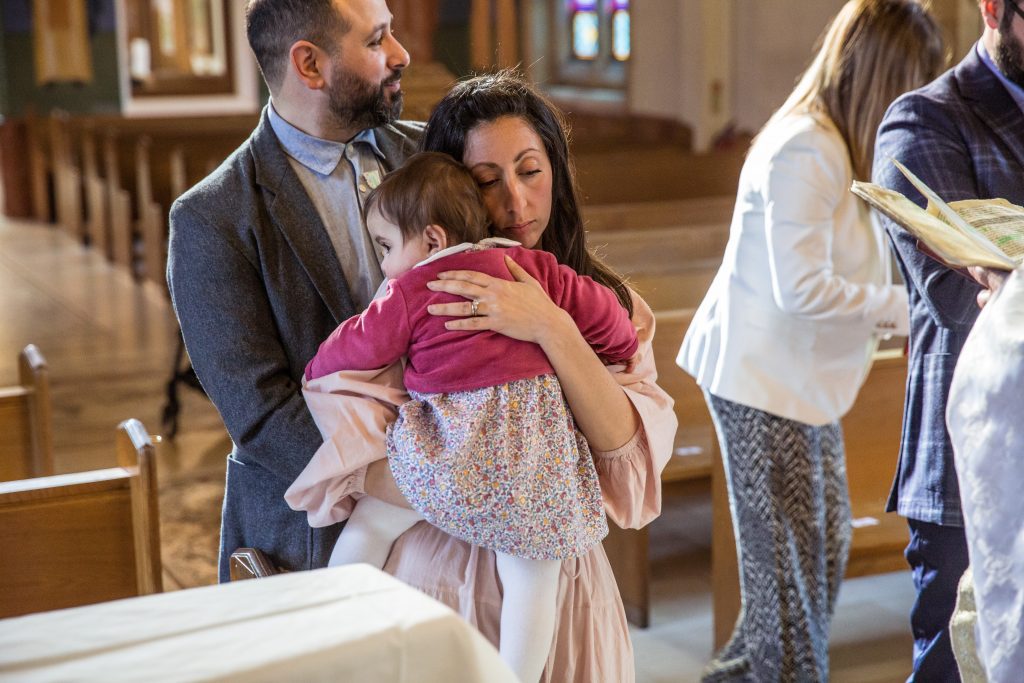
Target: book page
(1001, 222)
(936, 206)
(948, 243)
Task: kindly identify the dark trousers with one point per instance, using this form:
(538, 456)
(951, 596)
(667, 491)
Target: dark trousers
(938, 558)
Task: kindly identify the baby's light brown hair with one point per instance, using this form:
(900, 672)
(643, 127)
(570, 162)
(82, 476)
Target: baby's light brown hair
(432, 189)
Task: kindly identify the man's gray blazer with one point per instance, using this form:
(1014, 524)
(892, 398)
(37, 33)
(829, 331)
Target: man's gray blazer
(963, 135)
(256, 286)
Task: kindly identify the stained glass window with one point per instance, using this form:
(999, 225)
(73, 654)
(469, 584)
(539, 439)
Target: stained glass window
(586, 35)
(620, 30)
(599, 28)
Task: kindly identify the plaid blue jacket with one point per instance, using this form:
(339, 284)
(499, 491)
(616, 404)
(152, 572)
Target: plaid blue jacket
(964, 136)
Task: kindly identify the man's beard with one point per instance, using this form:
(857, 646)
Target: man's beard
(355, 102)
(1009, 56)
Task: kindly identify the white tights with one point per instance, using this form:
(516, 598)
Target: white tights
(371, 530)
(530, 587)
(529, 591)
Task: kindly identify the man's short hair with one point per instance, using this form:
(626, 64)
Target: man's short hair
(273, 26)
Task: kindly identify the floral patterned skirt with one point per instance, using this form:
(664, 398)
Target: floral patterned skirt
(502, 467)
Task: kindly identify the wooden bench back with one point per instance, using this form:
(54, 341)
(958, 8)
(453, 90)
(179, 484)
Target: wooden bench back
(164, 168)
(641, 216)
(26, 432)
(641, 174)
(871, 434)
(77, 539)
(695, 443)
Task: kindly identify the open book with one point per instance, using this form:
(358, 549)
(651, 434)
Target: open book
(973, 232)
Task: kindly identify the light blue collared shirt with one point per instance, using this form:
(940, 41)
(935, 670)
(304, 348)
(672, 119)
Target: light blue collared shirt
(337, 191)
(1016, 92)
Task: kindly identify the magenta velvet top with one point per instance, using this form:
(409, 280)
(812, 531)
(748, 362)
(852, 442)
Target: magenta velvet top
(444, 361)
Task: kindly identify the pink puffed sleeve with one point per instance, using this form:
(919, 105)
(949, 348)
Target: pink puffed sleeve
(630, 475)
(352, 409)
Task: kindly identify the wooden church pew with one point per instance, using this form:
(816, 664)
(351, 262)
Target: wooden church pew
(157, 164)
(26, 423)
(663, 249)
(641, 216)
(67, 176)
(632, 174)
(76, 539)
(92, 164)
(38, 165)
(97, 204)
(165, 167)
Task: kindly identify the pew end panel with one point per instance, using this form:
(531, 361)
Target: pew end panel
(26, 420)
(40, 172)
(80, 538)
(690, 464)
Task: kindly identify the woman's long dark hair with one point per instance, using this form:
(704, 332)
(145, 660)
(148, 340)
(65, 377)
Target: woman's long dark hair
(483, 99)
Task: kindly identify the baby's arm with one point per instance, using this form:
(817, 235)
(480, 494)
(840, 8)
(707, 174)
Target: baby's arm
(602, 320)
(375, 338)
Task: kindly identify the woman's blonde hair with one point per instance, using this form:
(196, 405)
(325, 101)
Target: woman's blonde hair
(871, 53)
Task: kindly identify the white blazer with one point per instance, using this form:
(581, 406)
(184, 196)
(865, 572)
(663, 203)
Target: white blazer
(805, 290)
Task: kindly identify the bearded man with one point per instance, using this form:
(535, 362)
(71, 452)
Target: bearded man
(269, 253)
(963, 135)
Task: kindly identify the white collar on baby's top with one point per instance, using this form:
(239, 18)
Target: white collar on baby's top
(486, 243)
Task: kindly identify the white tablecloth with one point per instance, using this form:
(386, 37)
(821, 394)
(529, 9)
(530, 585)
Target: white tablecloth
(349, 623)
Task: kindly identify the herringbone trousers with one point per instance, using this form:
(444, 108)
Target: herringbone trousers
(791, 517)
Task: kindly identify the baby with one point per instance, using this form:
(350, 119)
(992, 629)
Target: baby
(487, 449)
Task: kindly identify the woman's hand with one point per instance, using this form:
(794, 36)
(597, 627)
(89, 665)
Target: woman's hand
(522, 309)
(519, 308)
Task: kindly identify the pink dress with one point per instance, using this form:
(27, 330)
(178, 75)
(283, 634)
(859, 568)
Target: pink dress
(591, 642)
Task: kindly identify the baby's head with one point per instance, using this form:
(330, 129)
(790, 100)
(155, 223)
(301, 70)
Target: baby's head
(429, 204)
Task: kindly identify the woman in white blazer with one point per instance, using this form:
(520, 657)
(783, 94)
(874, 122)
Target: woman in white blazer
(784, 337)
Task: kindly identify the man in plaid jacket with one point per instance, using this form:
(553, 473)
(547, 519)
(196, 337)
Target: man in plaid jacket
(963, 135)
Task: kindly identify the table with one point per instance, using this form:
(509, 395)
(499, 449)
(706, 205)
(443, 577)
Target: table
(351, 623)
